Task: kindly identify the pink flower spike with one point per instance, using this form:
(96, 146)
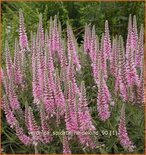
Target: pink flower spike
(18, 74)
(47, 138)
(22, 33)
(107, 41)
(132, 75)
(33, 128)
(140, 89)
(129, 36)
(11, 119)
(13, 99)
(70, 114)
(22, 136)
(9, 64)
(122, 70)
(134, 35)
(102, 100)
(66, 149)
(5, 81)
(102, 55)
(54, 35)
(122, 133)
(85, 119)
(87, 39)
(140, 48)
(48, 95)
(113, 57)
(93, 45)
(41, 31)
(59, 96)
(72, 48)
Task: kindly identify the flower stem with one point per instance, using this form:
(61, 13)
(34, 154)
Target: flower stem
(36, 148)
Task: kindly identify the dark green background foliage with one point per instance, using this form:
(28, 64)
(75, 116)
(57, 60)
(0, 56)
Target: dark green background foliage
(78, 14)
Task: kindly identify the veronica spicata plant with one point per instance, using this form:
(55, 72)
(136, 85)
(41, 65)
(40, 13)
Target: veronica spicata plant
(45, 65)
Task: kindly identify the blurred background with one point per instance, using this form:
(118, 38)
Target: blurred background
(78, 14)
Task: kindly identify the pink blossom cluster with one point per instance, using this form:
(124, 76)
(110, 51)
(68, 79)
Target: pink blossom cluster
(50, 68)
(124, 64)
(47, 68)
(123, 135)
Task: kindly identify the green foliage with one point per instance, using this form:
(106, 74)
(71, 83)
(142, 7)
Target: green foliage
(78, 13)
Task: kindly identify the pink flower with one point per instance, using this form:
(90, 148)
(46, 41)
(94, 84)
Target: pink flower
(36, 86)
(102, 55)
(5, 81)
(113, 57)
(129, 37)
(140, 48)
(14, 103)
(46, 137)
(134, 34)
(66, 149)
(10, 117)
(93, 45)
(59, 96)
(51, 39)
(22, 33)
(40, 31)
(140, 89)
(71, 113)
(87, 39)
(22, 136)
(122, 133)
(33, 128)
(55, 36)
(103, 104)
(132, 76)
(122, 71)
(63, 58)
(70, 76)
(48, 95)
(85, 120)
(18, 74)
(9, 64)
(72, 48)
(87, 140)
(107, 41)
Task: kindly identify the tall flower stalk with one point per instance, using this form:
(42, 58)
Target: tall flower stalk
(122, 133)
(22, 33)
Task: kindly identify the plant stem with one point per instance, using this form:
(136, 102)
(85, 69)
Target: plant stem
(36, 149)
